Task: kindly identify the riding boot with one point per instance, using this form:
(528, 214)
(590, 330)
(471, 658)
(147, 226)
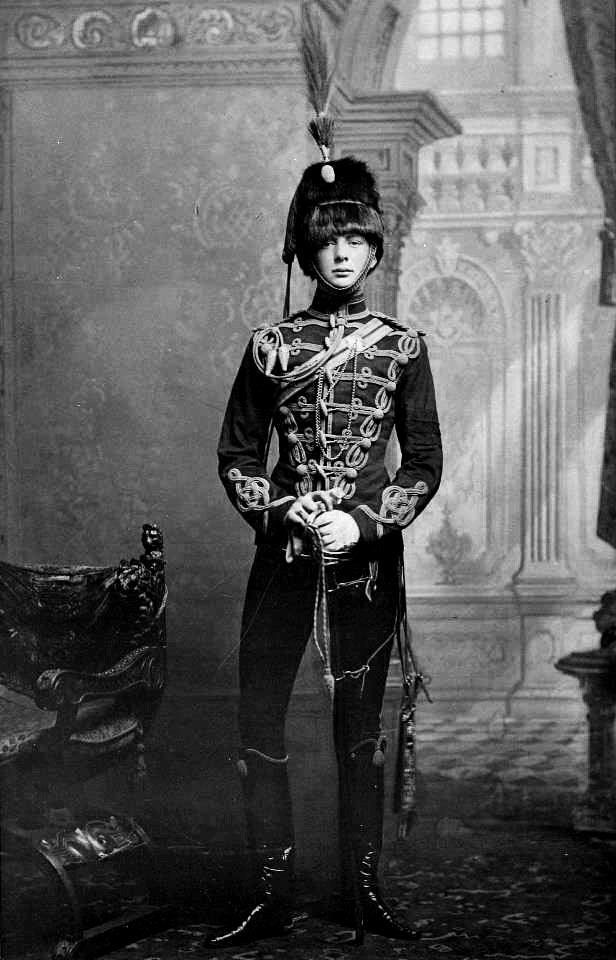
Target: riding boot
(270, 841)
(362, 831)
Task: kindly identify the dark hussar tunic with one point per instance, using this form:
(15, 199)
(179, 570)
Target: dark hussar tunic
(334, 381)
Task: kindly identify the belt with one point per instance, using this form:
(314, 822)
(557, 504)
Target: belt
(346, 570)
(342, 569)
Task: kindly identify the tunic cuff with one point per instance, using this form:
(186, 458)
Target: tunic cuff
(370, 530)
(273, 518)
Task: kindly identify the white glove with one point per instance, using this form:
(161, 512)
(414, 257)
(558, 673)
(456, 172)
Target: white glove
(338, 530)
(306, 509)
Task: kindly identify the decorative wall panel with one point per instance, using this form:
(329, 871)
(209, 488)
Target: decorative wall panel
(144, 254)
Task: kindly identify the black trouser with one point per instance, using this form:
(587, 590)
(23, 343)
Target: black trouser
(276, 625)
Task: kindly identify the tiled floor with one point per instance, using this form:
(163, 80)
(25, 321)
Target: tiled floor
(545, 753)
(529, 770)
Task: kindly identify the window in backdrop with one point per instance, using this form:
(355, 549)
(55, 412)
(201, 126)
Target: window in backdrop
(451, 29)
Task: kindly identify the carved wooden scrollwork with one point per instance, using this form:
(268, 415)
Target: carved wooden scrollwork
(144, 667)
(95, 841)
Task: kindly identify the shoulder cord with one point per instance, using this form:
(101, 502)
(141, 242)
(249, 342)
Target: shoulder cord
(310, 366)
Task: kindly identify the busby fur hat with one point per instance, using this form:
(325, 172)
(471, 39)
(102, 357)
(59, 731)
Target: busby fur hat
(333, 196)
(340, 196)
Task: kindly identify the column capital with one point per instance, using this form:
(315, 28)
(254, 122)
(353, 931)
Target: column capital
(548, 249)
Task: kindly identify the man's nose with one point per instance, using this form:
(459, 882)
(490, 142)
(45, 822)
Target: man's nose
(341, 250)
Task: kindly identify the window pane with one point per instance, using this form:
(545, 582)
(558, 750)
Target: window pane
(494, 3)
(428, 23)
(471, 21)
(450, 47)
(427, 49)
(493, 20)
(493, 44)
(449, 4)
(428, 4)
(471, 4)
(450, 22)
(471, 45)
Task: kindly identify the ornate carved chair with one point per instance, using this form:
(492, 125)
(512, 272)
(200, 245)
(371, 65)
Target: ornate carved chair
(82, 672)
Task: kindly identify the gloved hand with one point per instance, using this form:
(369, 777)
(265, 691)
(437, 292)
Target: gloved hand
(304, 511)
(338, 530)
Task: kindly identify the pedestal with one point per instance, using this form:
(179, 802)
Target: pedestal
(596, 673)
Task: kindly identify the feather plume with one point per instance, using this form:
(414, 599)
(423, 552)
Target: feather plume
(319, 67)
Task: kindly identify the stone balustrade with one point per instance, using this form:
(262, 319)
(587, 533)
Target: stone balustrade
(498, 169)
(471, 174)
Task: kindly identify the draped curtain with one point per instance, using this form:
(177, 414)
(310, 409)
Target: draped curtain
(590, 27)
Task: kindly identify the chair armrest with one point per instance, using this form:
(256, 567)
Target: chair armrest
(143, 668)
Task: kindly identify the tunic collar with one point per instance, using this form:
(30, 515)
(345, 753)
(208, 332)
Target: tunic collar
(324, 306)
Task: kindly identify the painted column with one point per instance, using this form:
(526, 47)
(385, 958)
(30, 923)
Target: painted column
(543, 581)
(547, 249)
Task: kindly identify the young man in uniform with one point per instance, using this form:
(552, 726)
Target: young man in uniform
(334, 381)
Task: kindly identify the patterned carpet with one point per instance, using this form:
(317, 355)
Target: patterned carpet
(491, 870)
(490, 891)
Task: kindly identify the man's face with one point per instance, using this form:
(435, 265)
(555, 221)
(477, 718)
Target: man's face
(343, 259)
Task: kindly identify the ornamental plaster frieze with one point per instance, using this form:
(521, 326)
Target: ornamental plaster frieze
(195, 28)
